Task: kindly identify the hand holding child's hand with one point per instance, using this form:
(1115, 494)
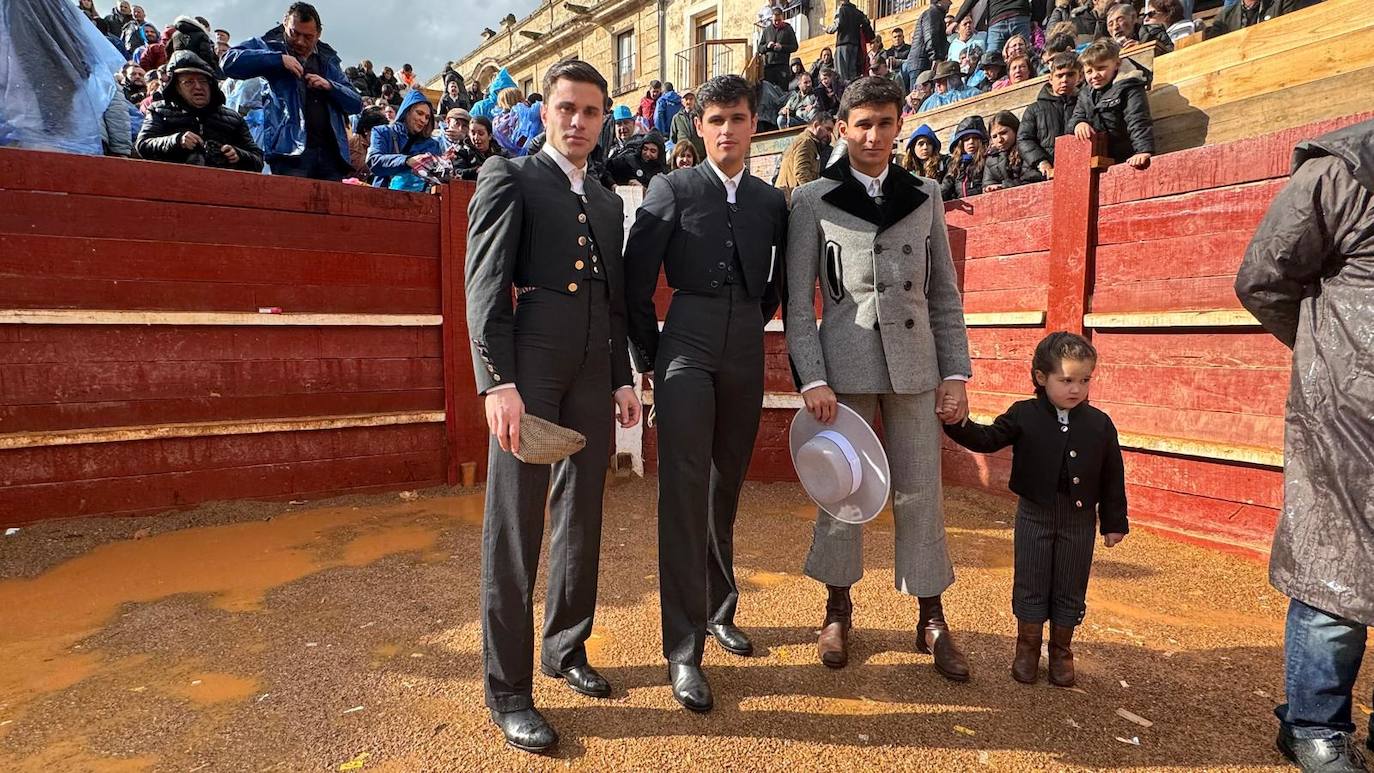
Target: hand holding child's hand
(1139, 161)
(1083, 131)
(1111, 539)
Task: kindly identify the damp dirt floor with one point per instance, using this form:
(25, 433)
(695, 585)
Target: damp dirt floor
(343, 636)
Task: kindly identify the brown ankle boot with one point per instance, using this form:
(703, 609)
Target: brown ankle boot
(1061, 656)
(833, 644)
(1025, 668)
(933, 638)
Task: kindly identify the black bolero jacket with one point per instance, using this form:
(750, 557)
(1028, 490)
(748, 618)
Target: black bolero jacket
(1041, 447)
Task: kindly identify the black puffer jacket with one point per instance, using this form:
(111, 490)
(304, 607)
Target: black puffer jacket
(170, 118)
(1084, 17)
(998, 170)
(1047, 118)
(929, 44)
(1121, 111)
(626, 165)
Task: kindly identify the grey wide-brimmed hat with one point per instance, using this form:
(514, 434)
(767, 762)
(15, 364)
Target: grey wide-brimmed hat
(842, 466)
(543, 442)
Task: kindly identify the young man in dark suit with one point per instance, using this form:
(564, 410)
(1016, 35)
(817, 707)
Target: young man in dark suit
(537, 225)
(719, 233)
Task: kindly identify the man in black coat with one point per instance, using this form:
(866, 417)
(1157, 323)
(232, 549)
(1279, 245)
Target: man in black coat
(1049, 116)
(777, 43)
(719, 233)
(538, 228)
(191, 125)
(929, 43)
(852, 31)
(1248, 13)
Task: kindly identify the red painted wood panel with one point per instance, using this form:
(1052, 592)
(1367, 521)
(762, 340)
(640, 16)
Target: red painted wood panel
(1016, 299)
(26, 212)
(1197, 214)
(1238, 349)
(1217, 253)
(1240, 390)
(1074, 222)
(1024, 271)
(999, 343)
(1213, 426)
(1188, 294)
(993, 239)
(161, 182)
(191, 343)
(1019, 203)
(465, 424)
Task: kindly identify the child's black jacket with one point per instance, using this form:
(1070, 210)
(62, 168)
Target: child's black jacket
(1041, 448)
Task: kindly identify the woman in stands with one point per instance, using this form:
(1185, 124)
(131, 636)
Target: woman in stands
(1003, 167)
(923, 157)
(970, 148)
(684, 156)
(483, 146)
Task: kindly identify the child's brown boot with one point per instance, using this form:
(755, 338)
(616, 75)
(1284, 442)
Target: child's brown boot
(833, 644)
(1061, 655)
(1026, 667)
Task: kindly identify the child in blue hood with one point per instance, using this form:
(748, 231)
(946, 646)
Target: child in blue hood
(404, 144)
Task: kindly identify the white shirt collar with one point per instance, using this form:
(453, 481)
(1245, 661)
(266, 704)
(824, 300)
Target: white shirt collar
(874, 185)
(576, 181)
(731, 183)
(1063, 415)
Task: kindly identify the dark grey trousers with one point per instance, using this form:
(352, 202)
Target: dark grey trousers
(1053, 550)
(563, 372)
(847, 63)
(708, 396)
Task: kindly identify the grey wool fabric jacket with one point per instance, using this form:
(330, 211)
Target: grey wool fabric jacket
(892, 318)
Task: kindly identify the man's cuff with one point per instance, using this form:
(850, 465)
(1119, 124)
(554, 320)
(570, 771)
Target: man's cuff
(626, 386)
(813, 385)
(957, 377)
(498, 388)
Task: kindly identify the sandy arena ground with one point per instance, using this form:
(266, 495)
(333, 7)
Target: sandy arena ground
(256, 637)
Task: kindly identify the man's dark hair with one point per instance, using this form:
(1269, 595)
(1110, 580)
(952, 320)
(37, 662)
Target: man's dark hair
(668, 86)
(406, 67)
(822, 117)
(727, 90)
(655, 85)
(1054, 348)
(202, 21)
(305, 12)
(1061, 43)
(871, 92)
(577, 71)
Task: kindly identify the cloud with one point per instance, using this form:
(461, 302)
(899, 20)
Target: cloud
(427, 34)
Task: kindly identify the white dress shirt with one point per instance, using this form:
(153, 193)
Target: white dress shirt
(731, 183)
(874, 187)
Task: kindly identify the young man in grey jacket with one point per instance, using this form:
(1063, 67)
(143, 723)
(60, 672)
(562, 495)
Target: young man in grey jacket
(891, 341)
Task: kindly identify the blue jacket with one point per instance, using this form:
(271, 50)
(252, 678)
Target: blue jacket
(501, 82)
(284, 118)
(669, 104)
(387, 153)
(953, 95)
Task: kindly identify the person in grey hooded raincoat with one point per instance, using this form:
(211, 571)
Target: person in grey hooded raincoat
(1308, 277)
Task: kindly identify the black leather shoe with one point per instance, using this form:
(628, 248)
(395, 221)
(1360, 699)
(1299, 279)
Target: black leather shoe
(1336, 754)
(582, 679)
(731, 638)
(690, 687)
(526, 730)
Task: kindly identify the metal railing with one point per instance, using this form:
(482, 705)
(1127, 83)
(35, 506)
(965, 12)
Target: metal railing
(698, 64)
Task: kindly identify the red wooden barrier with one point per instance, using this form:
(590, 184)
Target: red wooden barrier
(137, 374)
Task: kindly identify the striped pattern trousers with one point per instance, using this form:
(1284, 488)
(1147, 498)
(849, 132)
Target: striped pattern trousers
(1053, 549)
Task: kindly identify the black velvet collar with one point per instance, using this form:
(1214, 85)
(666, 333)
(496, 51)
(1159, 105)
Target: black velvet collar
(901, 194)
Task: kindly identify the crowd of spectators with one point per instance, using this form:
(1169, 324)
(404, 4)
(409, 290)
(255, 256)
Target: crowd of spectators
(991, 45)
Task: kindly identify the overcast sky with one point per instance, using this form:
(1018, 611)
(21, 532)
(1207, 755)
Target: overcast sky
(425, 33)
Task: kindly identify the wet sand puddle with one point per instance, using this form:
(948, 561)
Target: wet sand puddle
(44, 619)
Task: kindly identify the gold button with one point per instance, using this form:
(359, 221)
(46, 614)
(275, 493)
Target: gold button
(1073, 454)
(582, 241)
(581, 218)
(579, 265)
(572, 287)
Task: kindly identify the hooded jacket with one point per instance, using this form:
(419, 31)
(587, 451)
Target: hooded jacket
(668, 106)
(393, 143)
(170, 118)
(998, 170)
(965, 177)
(114, 23)
(1308, 276)
(1121, 110)
(627, 166)
(484, 107)
(188, 35)
(1047, 118)
(284, 116)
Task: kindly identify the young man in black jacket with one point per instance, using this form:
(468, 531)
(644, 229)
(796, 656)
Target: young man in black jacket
(929, 43)
(1050, 115)
(850, 28)
(777, 43)
(191, 125)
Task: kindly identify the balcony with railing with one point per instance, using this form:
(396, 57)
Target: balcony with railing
(703, 61)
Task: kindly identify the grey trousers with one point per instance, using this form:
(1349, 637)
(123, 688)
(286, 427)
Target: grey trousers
(563, 372)
(847, 63)
(708, 397)
(911, 435)
(1053, 547)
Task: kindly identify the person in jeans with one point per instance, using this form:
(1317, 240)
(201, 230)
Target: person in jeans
(1307, 276)
(1001, 18)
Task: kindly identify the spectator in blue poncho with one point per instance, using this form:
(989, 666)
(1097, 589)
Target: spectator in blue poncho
(484, 107)
(405, 144)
